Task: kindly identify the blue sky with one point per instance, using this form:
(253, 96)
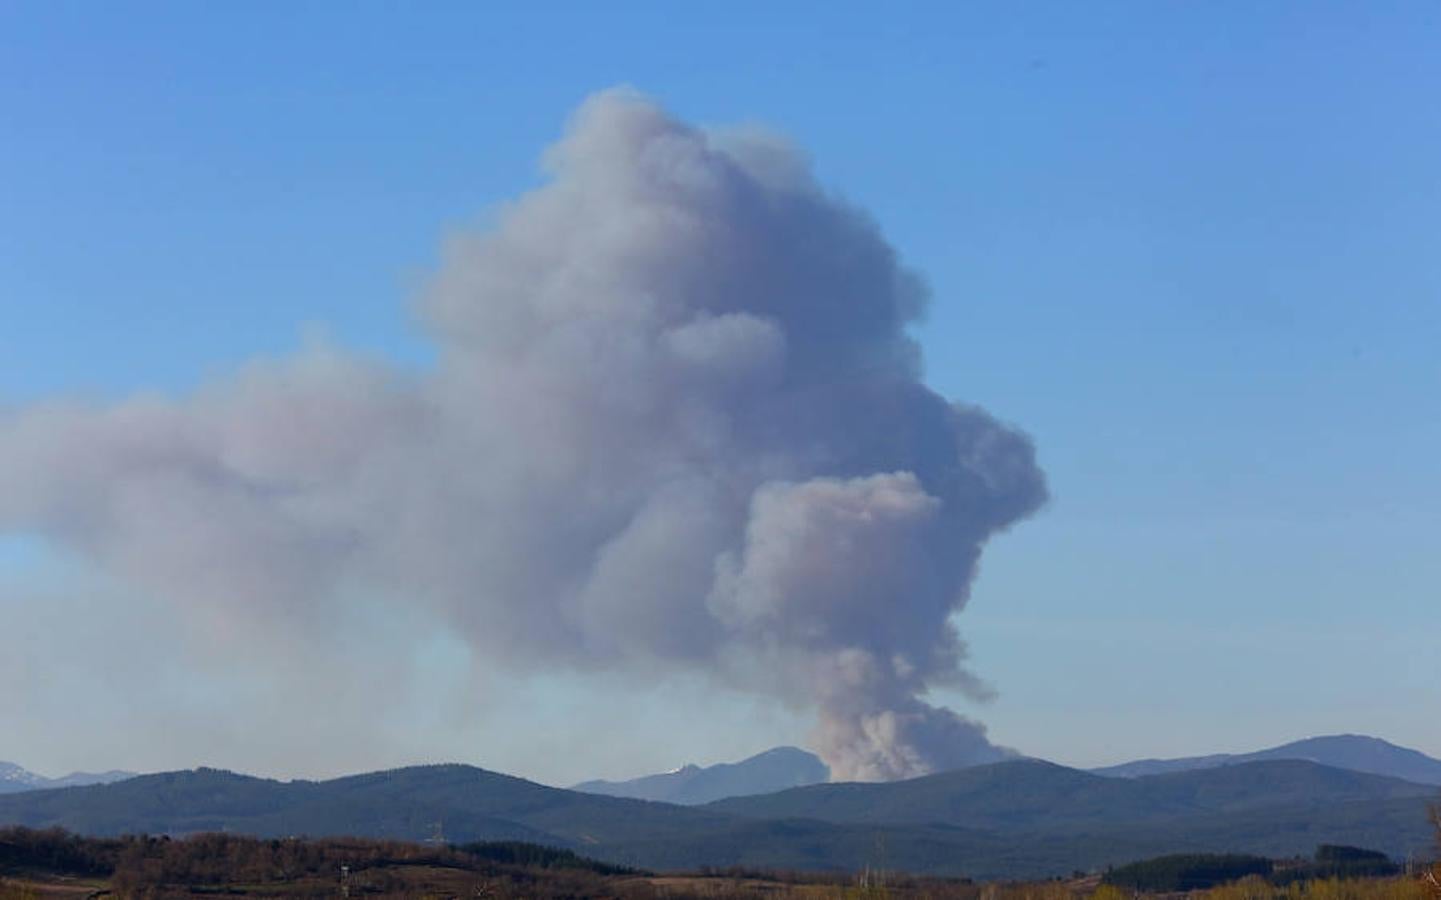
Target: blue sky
(1192, 249)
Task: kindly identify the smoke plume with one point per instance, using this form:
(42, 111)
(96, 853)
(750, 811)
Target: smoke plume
(675, 422)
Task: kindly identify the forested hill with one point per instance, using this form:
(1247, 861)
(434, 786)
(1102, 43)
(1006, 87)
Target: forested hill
(1032, 795)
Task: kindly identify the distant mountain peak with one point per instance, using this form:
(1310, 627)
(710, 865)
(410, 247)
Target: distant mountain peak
(1356, 752)
(14, 778)
(771, 770)
(12, 774)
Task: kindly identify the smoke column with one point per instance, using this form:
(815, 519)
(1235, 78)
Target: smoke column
(675, 423)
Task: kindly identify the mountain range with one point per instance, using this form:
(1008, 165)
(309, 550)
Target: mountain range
(1022, 818)
(1356, 752)
(14, 779)
(774, 770)
(787, 767)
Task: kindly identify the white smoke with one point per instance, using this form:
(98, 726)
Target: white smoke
(675, 421)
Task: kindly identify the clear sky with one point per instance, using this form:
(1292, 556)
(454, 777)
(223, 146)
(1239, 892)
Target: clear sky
(1192, 249)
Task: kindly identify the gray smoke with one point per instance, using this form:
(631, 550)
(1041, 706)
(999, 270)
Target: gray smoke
(676, 422)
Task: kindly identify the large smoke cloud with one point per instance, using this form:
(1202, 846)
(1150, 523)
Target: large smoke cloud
(675, 422)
